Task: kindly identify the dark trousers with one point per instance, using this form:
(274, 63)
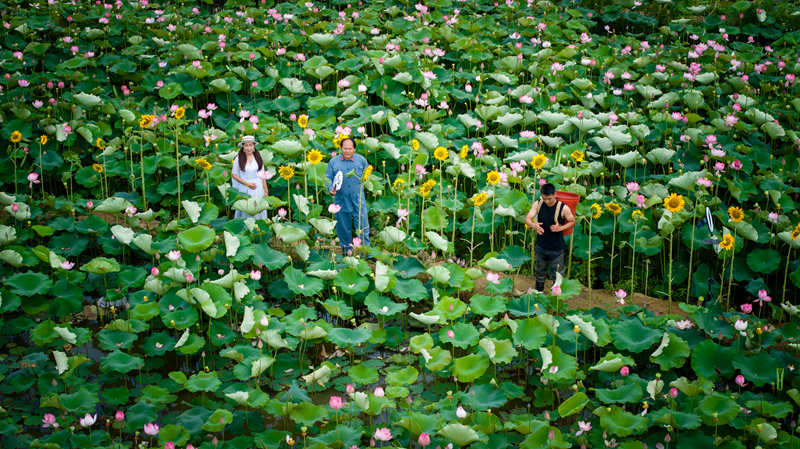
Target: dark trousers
(547, 260)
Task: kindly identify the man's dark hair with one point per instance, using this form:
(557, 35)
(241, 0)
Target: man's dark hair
(345, 140)
(548, 189)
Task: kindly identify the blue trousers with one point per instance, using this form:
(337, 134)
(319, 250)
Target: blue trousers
(345, 222)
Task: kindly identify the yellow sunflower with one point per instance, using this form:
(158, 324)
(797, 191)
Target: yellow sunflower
(286, 172)
(99, 143)
(440, 153)
(398, 184)
(735, 214)
(493, 177)
(427, 187)
(614, 208)
(204, 164)
(577, 155)
(337, 141)
(16, 136)
(538, 161)
(314, 157)
(98, 168)
(596, 211)
(146, 121)
(464, 152)
(479, 199)
(367, 172)
(637, 215)
(796, 232)
(674, 203)
(415, 144)
(43, 139)
(180, 113)
(727, 242)
(302, 121)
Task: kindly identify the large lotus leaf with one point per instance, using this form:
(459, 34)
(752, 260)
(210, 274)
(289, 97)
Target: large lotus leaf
(269, 258)
(363, 374)
(586, 327)
(208, 382)
(439, 274)
(622, 423)
(290, 234)
(470, 367)
(631, 335)
(573, 405)
(323, 225)
(301, 284)
(487, 305)
(344, 337)
(405, 376)
(459, 434)
(392, 235)
(252, 206)
(530, 333)
(381, 305)
(351, 281)
(101, 265)
(759, 368)
(553, 119)
(626, 160)
(671, 353)
(499, 351)
(307, 414)
(120, 362)
(113, 205)
(464, 335)
(660, 155)
(717, 410)
(764, 260)
(338, 308)
(197, 239)
(567, 366)
(495, 264)
(174, 433)
(29, 283)
(437, 358)
(709, 357)
(80, 402)
(628, 393)
(612, 362)
(419, 342)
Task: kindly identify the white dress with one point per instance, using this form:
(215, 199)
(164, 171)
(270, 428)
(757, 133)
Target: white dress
(249, 174)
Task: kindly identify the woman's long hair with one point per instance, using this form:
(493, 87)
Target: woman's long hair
(243, 159)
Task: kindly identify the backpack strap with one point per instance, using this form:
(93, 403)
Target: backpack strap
(559, 206)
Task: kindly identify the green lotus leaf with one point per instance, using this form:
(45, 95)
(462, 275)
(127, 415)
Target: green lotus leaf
(381, 305)
(218, 420)
(628, 393)
(622, 423)
(80, 402)
(436, 359)
(29, 284)
(301, 284)
(487, 305)
(113, 205)
(717, 410)
(671, 353)
(307, 414)
(208, 382)
(470, 367)
(631, 335)
(120, 362)
(405, 376)
(392, 236)
(351, 281)
(573, 405)
(197, 239)
(459, 434)
(464, 335)
(499, 351)
(612, 362)
(419, 342)
(759, 368)
(338, 308)
(363, 374)
(176, 434)
(709, 357)
(764, 260)
(343, 337)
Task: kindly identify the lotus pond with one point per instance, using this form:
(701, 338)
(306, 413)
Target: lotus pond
(136, 312)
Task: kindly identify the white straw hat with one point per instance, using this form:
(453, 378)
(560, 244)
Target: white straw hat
(248, 139)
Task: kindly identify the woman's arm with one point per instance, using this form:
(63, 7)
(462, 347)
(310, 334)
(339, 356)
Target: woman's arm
(247, 183)
(266, 189)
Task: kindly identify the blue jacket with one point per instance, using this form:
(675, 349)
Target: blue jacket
(351, 192)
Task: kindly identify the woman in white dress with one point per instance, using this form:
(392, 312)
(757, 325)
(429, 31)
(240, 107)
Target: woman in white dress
(245, 175)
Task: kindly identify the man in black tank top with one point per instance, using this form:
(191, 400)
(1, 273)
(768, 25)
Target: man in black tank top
(554, 217)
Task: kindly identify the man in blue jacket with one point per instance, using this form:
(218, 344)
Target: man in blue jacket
(350, 196)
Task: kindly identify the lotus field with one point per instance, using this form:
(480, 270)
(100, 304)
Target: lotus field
(137, 311)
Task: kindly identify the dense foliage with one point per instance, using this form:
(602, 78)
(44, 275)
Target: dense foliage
(135, 310)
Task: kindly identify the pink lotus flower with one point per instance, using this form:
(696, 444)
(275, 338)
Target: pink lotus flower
(621, 294)
(383, 434)
(282, 213)
(89, 204)
(684, 324)
(334, 208)
(740, 381)
(33, 178)
(255, 275)
(88, 420)
(640, 200)
(14, 207)
(553, 369)
(130, 211)
(49, 420)
(356, 242)
(350, 389)
(424, 439)
(151, 429)
(673, 393)
(747, 307)
(624, 371)
(171, 445)
(584, 427)
(336, 402)
(154, 271)
(493, 277)
(263, 174)
(632, 186)
(174, 255)
(762, 298)
(461, 413)
(67, 265)
(773, 217)
(451, 334)
(556, 290)
(736, 165)
(379, 392)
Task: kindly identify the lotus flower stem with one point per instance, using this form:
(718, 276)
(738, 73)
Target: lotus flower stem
(589, 261)
(669, 277)
(730, 278)
(178, 168)
(141, 161)
(691, 250)
(785, 275)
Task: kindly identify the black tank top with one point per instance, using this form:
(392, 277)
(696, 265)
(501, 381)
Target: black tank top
(550, 241)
